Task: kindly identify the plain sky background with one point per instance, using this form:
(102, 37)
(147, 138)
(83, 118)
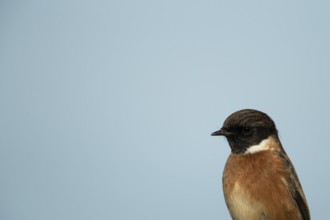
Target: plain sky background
(107, 106)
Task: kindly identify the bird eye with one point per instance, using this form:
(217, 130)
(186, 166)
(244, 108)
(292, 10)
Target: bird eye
(246, 130)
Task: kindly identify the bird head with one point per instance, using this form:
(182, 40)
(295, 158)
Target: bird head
(246, 128)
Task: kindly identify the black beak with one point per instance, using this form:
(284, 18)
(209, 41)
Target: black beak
(221, 132)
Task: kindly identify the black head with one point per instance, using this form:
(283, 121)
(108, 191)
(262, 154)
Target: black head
(246, 128)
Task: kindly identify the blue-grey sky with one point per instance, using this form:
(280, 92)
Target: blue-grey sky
(107, 106)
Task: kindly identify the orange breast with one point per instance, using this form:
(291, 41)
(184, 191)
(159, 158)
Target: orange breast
(255, 187)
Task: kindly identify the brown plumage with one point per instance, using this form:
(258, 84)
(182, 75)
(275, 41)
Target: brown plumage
(259, 180)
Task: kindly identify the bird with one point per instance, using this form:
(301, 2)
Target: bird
(259, 180)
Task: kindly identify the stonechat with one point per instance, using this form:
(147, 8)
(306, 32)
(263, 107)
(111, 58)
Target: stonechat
(259, 180)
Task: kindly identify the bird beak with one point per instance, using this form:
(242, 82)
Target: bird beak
(221, 132)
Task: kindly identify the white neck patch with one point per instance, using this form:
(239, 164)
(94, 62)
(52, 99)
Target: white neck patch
(264, 145)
